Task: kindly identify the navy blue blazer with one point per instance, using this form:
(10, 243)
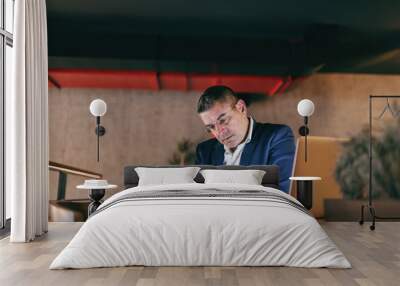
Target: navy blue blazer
(271, 144)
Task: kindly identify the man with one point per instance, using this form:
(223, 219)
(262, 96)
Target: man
(239, 140)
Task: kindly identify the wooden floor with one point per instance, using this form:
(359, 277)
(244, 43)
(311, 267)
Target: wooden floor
(375, 257)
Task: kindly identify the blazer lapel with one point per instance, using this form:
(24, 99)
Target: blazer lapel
(248, 150)
(218, 155)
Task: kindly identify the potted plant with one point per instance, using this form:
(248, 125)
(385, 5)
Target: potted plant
(185, 153)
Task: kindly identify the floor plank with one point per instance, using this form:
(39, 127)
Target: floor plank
(375, 257)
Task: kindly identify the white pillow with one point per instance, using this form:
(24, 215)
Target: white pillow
(248, 177)
(162, 176)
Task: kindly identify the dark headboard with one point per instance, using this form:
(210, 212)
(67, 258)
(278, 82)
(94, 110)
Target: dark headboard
(270, 179)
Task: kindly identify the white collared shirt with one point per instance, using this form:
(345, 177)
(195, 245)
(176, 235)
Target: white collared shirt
(233, 158)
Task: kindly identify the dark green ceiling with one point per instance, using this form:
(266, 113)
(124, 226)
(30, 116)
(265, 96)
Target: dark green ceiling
(249, 37)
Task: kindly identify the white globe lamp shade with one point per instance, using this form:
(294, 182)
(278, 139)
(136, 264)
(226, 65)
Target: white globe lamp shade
(305, 108)
(98, 107)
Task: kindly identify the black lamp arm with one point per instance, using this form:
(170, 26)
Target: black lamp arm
(98, 137)
(305, 137)
(100, 131)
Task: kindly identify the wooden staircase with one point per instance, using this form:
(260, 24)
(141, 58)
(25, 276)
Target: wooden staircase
(68, 210)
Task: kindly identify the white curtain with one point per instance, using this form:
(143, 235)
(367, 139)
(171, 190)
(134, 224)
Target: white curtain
(27, 155)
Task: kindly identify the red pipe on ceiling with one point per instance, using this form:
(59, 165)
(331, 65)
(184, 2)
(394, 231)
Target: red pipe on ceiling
(151, 80)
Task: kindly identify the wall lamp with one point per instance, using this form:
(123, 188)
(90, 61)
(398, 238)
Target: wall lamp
(305, 108)
(98, 108)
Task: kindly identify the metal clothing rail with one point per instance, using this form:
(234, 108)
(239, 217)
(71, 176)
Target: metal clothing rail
(369, 206)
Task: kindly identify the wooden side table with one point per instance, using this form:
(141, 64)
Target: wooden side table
(97, 190)
(305, 190)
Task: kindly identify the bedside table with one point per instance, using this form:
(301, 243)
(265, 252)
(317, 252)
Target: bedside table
(304, 187)
(97, 190)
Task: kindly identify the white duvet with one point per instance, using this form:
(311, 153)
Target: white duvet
(200, 231)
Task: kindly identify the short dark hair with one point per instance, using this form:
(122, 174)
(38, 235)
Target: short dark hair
(213, 94)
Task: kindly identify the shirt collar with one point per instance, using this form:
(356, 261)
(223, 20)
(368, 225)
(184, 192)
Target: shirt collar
(250, 133)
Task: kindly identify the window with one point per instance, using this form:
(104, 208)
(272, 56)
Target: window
(6, 62)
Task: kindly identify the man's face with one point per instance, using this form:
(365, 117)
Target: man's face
(227, 121)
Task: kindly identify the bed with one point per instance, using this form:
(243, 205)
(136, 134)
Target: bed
(201, 224)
